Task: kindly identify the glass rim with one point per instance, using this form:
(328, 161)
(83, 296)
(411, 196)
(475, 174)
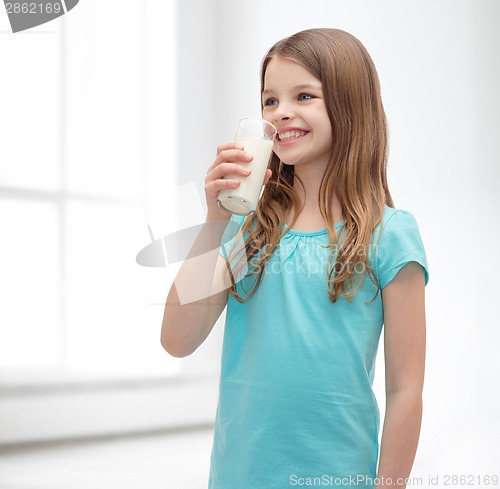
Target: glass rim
(259, 119)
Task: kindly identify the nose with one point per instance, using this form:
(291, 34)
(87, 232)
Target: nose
(283, 113)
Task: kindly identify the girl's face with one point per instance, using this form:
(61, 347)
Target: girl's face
(293, 102)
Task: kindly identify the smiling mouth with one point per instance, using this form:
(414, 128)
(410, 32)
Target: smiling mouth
(289, 135)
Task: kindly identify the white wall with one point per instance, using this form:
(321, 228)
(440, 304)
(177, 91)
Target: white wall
(96, 87)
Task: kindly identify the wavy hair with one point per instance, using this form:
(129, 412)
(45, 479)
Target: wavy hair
(357, 167)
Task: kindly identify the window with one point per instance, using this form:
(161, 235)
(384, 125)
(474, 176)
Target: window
(88, 137)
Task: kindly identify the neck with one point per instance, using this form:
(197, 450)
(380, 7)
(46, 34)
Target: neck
(311, 176)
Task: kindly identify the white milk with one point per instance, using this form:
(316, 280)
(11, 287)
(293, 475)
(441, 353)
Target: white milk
(243, 199)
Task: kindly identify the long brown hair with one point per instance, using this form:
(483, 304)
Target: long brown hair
(357, 168)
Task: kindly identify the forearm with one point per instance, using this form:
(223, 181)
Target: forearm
(403, 418)
(193, 301)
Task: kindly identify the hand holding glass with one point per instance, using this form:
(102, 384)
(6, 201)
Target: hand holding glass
(257, 138)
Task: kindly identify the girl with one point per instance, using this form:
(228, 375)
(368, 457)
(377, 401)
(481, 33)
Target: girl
(327, 260)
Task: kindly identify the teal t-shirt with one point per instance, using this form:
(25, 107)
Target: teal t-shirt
(296, 404)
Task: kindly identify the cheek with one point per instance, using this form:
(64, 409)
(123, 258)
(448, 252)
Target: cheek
(328, 137)
(266, 115)
(327, 133)
(325, 137)
(268, 111)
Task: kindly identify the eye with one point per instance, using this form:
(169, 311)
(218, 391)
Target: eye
(270, 101)
(305, 96)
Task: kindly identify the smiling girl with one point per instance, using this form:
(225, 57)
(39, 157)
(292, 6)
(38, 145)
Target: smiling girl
(332, 262)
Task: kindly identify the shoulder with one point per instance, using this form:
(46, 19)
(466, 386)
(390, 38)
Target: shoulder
(394, 218)
(397, 242)
(232, 235)
(237, 221)
(396, 223)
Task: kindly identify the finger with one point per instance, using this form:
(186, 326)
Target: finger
(234, 155)
(220, 165)
(226, 170)
(212, 189)
(224, 146)
(231, 156)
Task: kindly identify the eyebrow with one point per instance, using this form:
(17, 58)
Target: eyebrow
(297, 87)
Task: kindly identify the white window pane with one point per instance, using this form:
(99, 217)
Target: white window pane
(30, 329)
(108, 115)
(105, 98)
(30, 101)
(106, 312)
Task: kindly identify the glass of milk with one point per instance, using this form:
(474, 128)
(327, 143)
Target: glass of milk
(257, 138)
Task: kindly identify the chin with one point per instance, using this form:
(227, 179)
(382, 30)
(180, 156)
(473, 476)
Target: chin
(286, 161)
(295, 163)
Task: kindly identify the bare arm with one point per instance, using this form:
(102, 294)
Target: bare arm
(404, 345)
(200, 290)
(197, 297)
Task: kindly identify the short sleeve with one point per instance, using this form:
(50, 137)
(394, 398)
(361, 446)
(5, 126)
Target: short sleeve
(400, 244)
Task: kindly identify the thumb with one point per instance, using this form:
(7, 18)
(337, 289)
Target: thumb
(268, 175)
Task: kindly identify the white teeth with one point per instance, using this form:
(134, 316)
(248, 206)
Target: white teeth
(291, 135)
